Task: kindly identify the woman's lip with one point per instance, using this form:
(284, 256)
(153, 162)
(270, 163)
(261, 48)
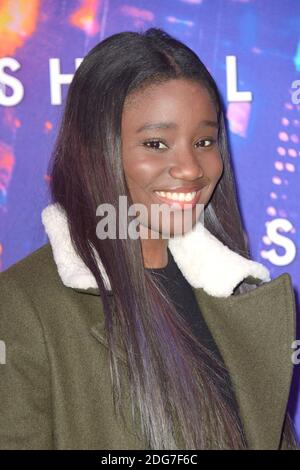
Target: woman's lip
(180, 204)
(181, 189)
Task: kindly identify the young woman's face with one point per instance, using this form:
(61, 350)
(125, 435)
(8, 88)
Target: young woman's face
(176, 161)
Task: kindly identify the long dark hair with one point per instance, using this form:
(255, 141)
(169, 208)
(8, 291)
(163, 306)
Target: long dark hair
(177, 387)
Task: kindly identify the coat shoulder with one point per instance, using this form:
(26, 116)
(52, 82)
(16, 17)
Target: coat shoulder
(36, 271)
(34, 283)
(251, 283)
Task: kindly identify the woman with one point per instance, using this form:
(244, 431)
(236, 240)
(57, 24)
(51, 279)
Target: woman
(148, 342)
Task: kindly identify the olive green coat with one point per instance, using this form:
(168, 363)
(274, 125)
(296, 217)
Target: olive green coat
(55, 390)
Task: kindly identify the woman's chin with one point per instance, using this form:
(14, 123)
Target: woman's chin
(165, 231)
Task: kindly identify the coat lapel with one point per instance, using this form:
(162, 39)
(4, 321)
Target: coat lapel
(254, 331)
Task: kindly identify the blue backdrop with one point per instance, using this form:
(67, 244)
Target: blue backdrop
(251, 47)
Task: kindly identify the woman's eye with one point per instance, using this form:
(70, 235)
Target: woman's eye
(156, 144)
(206, 142)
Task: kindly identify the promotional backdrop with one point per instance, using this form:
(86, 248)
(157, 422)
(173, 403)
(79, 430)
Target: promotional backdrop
(252, 49)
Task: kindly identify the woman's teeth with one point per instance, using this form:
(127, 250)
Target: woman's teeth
(177, 196)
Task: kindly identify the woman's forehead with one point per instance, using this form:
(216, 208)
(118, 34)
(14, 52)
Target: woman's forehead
(168, 106)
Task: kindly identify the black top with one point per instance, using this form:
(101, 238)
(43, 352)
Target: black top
(182, 294)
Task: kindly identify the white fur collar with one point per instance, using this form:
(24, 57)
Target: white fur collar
(203, 259)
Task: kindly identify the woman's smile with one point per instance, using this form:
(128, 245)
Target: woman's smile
(180, 200)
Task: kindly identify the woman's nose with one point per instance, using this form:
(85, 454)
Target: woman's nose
(187, 166)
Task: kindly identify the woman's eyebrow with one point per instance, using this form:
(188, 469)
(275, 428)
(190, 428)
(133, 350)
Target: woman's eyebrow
(173, 125)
